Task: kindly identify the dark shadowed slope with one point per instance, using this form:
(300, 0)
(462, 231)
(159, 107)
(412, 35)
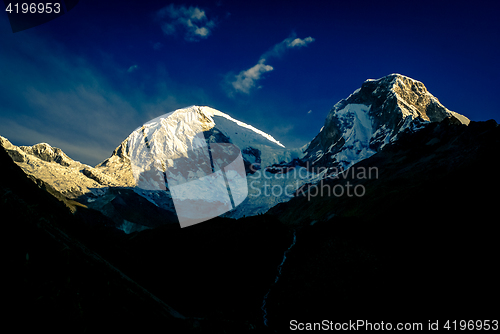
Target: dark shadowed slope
(420, 244)
(67, 287)
(81, 274)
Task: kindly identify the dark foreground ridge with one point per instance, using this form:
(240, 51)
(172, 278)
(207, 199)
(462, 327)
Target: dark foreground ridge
(420, 244)
(80, 275)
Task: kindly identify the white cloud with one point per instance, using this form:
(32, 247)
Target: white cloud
(246, 80)
(300, 42)
(191, 22)
(288, 43)
(202, 31)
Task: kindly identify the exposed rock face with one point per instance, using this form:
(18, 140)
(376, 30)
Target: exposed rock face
(98, 176)
(118, 167)
(373, 116)
(47, 153)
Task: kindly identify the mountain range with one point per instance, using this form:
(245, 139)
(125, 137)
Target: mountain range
(355, 129)
(388, 212)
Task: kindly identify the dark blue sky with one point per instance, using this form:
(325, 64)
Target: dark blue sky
(85, 80)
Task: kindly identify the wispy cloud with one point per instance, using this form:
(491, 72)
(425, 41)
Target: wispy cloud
(132, 68)
(88, 152)
(246, 80)
(291, 42)
(48, 94)
(191, 22)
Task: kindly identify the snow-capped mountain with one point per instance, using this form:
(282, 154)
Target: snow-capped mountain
(169, 147)
(134, 185)
(174, 134)
(371, 117)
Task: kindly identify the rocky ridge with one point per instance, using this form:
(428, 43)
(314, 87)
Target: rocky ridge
(373, 116)
(52, 166)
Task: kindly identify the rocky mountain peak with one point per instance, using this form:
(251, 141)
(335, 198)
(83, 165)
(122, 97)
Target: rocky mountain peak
(403, 94)
(42, 151)
(47, 153)
(372, 116)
